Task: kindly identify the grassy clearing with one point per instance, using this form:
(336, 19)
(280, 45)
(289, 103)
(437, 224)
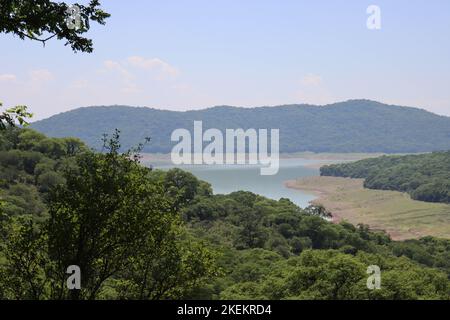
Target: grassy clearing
(392, 211)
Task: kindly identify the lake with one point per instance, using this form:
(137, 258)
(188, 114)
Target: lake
(228, 178)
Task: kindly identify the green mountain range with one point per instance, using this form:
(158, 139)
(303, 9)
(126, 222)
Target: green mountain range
(351, 126)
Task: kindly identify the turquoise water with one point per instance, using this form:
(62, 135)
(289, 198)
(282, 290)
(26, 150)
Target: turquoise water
(228, 178)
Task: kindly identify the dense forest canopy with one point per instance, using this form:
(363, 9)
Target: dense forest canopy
(425, 177)
(351, 126)
(139, 233)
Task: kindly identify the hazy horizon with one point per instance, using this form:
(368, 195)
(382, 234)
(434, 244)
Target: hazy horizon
(193, 55)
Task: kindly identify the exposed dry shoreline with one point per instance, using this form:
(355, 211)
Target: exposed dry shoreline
(394, 212)
(321, 158)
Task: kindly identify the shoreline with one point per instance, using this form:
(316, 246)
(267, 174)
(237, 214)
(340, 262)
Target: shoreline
(317, 192)
(392, 211)
(321, 158)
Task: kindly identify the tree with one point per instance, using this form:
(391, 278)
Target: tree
(42, 20)
(325, 274)
(318, 210)
(169, 267)
(24, 275)
(10, 116)
(251, 232)
(103, 216)
(181, 186)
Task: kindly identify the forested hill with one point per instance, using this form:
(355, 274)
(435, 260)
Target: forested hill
(352, 126)
(425, 177)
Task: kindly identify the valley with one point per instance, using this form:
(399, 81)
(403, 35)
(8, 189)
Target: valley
(240, 151)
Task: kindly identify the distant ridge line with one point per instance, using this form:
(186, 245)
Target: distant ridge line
(351, 126)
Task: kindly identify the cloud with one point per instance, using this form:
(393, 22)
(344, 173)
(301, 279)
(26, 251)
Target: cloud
(127, 79)
(8, 77)
(134, 72)
(40, 75)
(35, 77)
(117, 66)
(154, 64)
(311, 80)
(79, 84)
(110, 64)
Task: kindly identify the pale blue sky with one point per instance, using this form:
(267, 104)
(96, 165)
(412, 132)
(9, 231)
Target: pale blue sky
(180, 55)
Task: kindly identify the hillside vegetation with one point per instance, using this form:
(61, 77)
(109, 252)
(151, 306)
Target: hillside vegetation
(352, 126)
(138, 233)
(30, 164)
(425, 177)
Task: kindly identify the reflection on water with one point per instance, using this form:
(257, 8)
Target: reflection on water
(228, 178)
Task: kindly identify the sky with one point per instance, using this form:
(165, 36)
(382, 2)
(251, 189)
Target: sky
(181, 55)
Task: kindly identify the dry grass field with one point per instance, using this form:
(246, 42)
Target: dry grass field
(392, 211)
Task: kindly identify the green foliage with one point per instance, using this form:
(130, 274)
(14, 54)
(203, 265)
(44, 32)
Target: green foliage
(11, 116)
(332, 275)
(425, 177)
(139, 233)
(42, 20)
(31, 164)
(428, 251)
(299, 255)
(165, 269)
(351, 126)
(181, 186)
(252, 221)
(23, 276)
(116, 223)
